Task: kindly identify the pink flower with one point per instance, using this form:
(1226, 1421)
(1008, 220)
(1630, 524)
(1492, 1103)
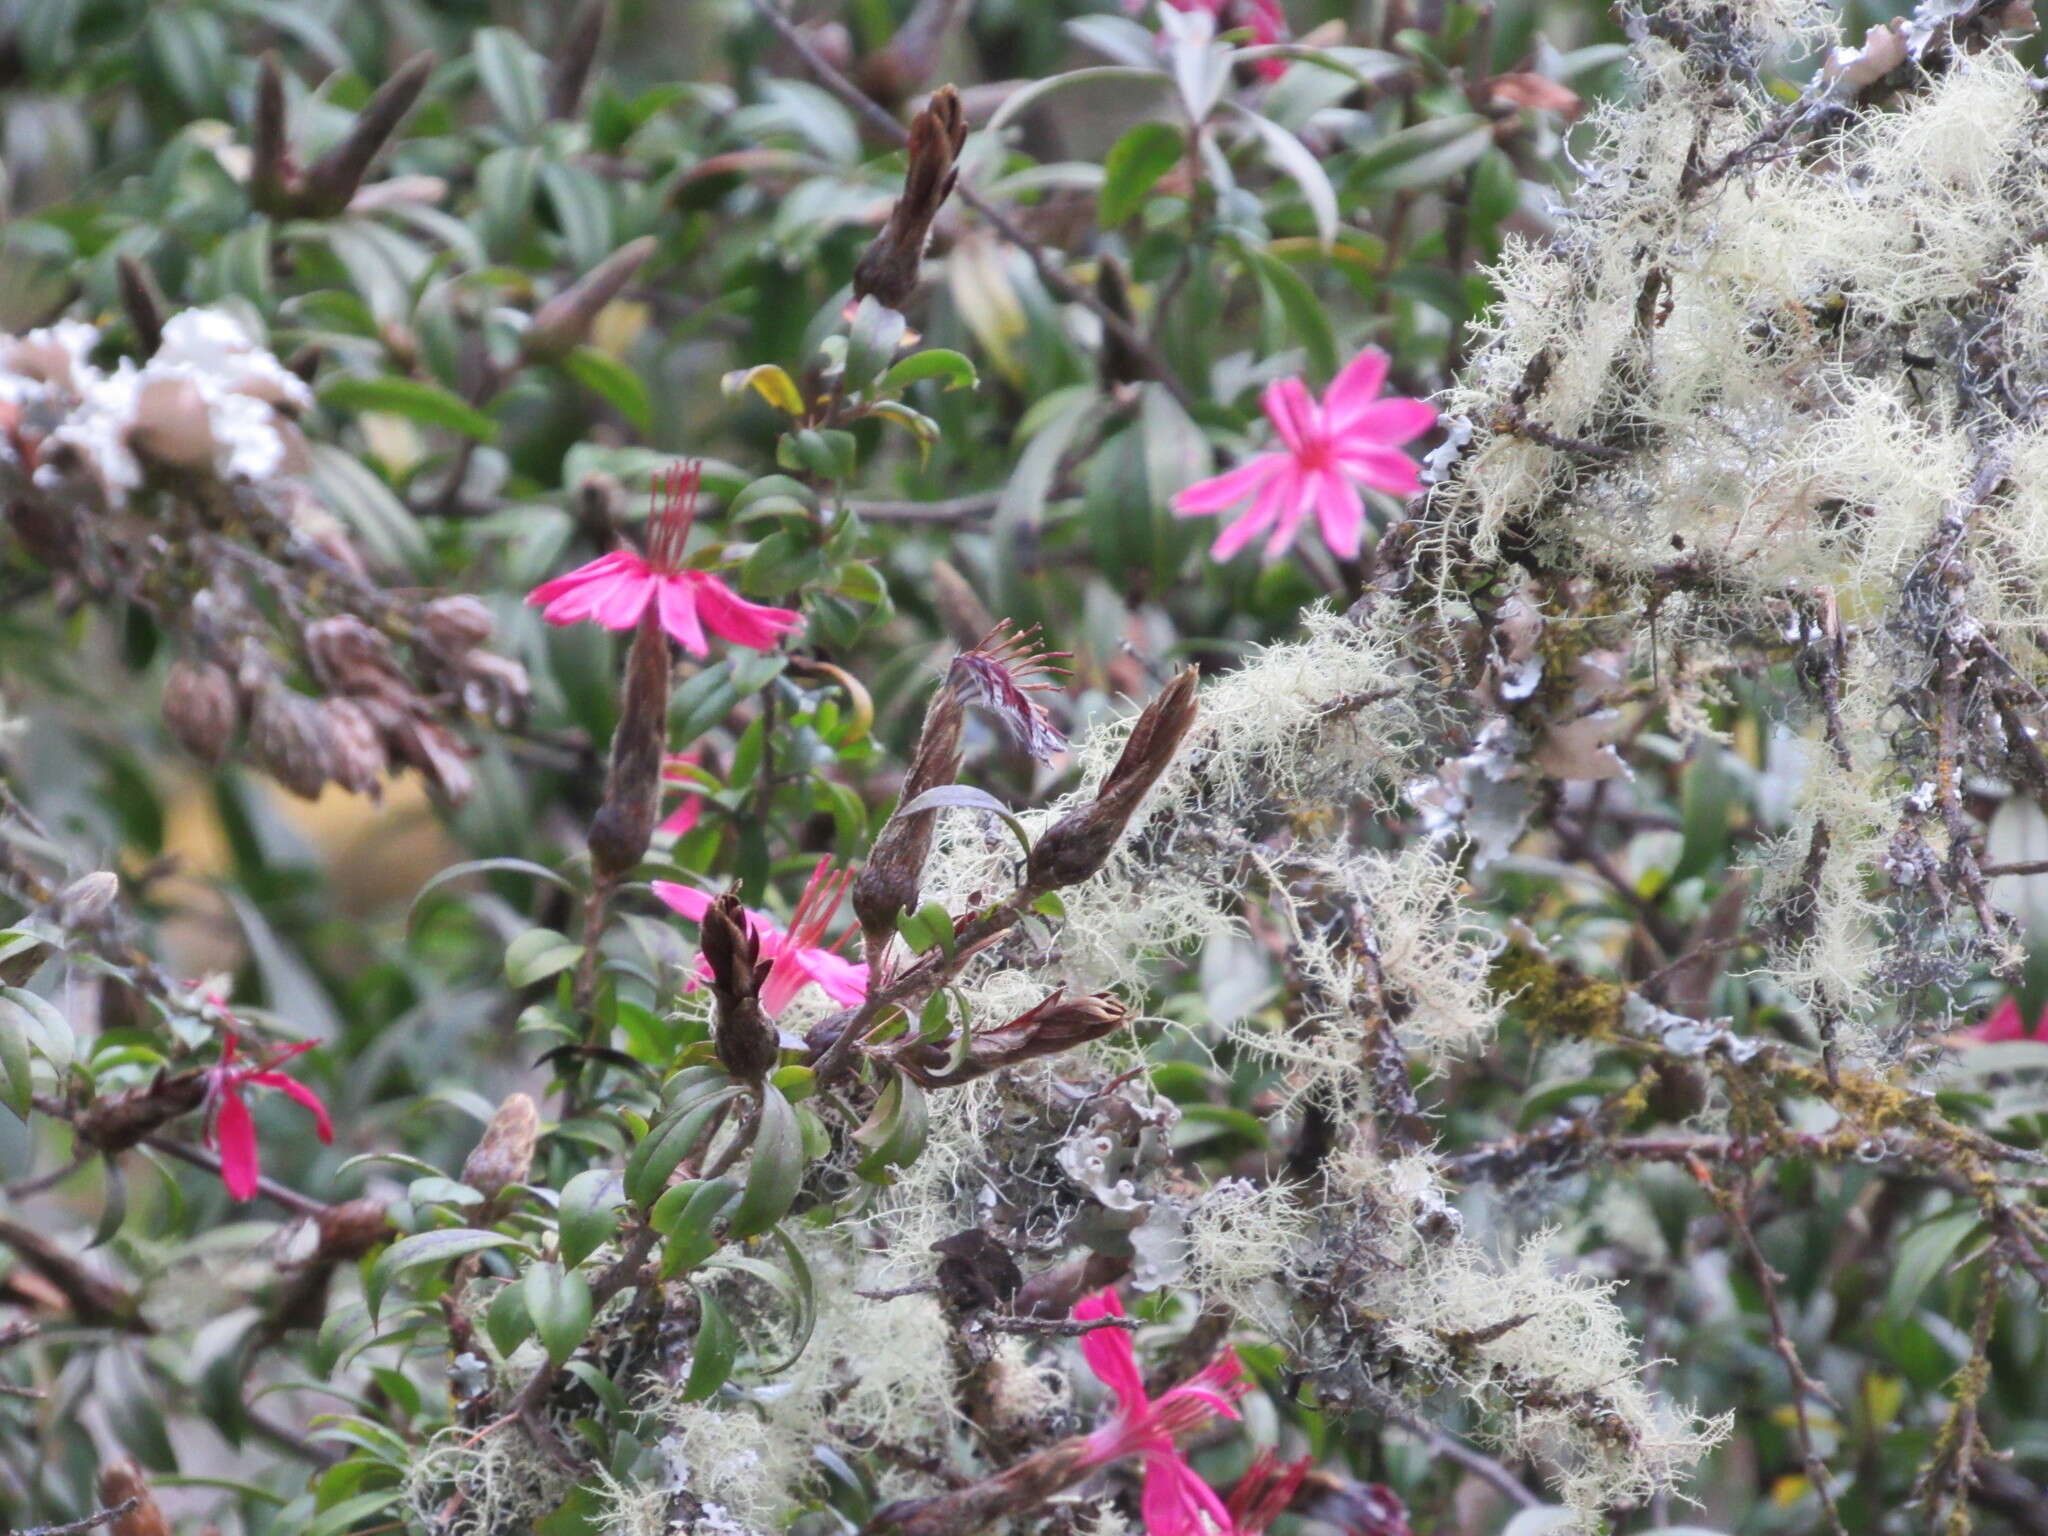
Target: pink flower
(1327, 452)
(231, 1130)
(2005, 1024)
(1264, 19)
(796, 955)
(615, 589)
(1263, 1494)
(1175, 1502)
(676, 770)
(1001, 674)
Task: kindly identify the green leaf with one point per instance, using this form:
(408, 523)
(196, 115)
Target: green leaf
(894, 1133)
(49, 1030)
(1304, 312)
(775, 1170)
(1921, 1256)
(511, 74)
(559, 1303)
(351, 1512)
(871, 342)
(717, 1345)
(506, 1320)
(671, 1140)
(684, 1216)
(411, 398)
(932, 363)
(929, 927)
(1421, 156)
(1292, 157)
(487, 866)
(427, 1248)
(1019, 102)
(589, 1212)
(19, 1085)
(1133, 167)
(613, 381)
(538, 954)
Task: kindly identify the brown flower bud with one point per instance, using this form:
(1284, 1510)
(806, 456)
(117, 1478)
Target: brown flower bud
(624, 824)
(201, 709)
(348, 656)
(120, 1482)
(352, 1228)
(288, 736)
(504, 1155)
(121, 1120)
(563, 323)
(1057, 1024)
(332, 180)
(888, 269)
(574, 54)
(358, 761)
(272, 175)
(454, 624)
(888, 884)
(1077, 845)
(741, 1033)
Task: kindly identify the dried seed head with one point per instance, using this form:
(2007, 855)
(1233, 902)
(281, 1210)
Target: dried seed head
(889, 882)
(358, 761)
(455, 624)
(1080, 843)
(348, 656)
(1000, 675)
(288, 736)
(745, 1040)
(888, 268)
(624, 825)
(493, 686)
(504, 1155)
(120, 1482)
(1057, 1024)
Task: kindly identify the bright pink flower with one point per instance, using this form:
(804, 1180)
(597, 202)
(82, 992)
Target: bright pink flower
(1264, 19)
(1327, 452)
(2006, 1024)
(231, 1130)
(676, 770)
(797, 955)
(1175, 1502)
(615, 589)
(1264, 1492)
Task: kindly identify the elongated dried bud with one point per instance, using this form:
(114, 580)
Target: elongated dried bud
(288, 736)
(1080, 842)
(574, 54)
(454, 624)
(332, 179)
(888, 885)
(1057, 1024)
(1118, 363)
(352, 1228)
(624, 824)
(563, 323)
(144, 303)
(272, 176)
(504, 1155)
(121, 1120)
(358, 760)
(120, 1482)
(741, 1033)
(888, 268)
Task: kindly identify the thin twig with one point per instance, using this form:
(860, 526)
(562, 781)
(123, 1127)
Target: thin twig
(90, 1523)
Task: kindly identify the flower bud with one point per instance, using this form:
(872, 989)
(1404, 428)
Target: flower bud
(563, 323)
(120, 1482)
(888, 885)
(455, 624)
(1077, 845)
(332, 180)
(745, 1040)
(288, 736)
(624, 824)
(352, 1228)
(504, 1155)
(1057, 1024)
(144, 302)
(888, 268)
(358, 762)
(87, 899)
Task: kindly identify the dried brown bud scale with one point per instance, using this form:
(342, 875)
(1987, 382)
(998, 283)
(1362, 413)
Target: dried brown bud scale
(888, 269)
(623, 827)
(1075, 847)
(504, 1155)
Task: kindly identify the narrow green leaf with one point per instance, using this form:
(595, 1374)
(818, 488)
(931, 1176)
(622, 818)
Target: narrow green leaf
(775, 1170)
(717, 1346)
(589, 1212)
(1133, 167)
(411, 398)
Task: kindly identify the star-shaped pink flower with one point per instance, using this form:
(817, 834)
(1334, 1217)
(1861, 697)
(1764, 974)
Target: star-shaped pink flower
(615, 589)
(231, 1129)
(1175, 1500)
(2005, 1024)
(798, 956)
(1328, 450)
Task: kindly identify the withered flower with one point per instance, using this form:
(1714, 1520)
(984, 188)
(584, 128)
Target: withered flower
(888, 884)
(1077, 845)
(202, 709)
(454, 624)
(1057, 1024)
(358, 760)
(1000, 675)
(288, 735)
(624, 825)
(503, 1156)
(348, 656)
(747, 1044)
(888, 268)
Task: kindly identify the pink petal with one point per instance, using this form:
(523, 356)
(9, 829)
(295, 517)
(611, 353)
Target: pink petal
(1301, 489)
(686, 899)
(1341, 513)
(1292, 410)
(1110, 1353)
(683, 818)
(301, 1095)
(593, 570)
(1355, 388)
(615, 601)
(1383, 469)
(786, 978)
(1226, 490)
(1175, 1499)
(1265, 507)
(235, 1135)
(679, 618)
(731, 616)
(844, 981)
(1385, 423)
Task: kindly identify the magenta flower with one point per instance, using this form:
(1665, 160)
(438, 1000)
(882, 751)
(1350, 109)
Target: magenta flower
(1327, 452)
(797, 954)
(231, 1129)
(616, 589)
(1175, 1501)
(675, 769)
(2005, 1024)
